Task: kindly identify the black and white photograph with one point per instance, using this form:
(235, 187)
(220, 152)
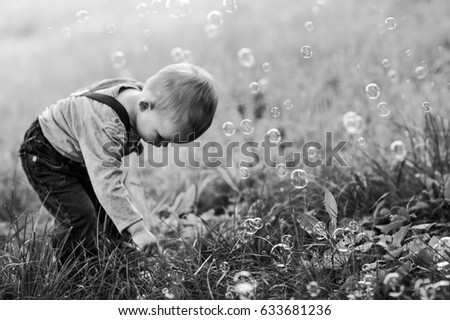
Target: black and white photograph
(292, 154)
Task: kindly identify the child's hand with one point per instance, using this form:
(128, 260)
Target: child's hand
(144, 239)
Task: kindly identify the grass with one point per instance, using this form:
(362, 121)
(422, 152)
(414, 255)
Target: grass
(381, 217)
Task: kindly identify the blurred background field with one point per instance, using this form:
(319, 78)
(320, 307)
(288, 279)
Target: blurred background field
(47, 54)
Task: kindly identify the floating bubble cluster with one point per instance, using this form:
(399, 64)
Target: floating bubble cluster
(246, 57)
(118, 59)
(353, 122)
(253, 225)
(228, 128)
(299, 179)
(398, 149)
(383, 108)
(247, 126)
(274, 135)
(82, 16)
(373, 91)
(178, 8)
(306, 52)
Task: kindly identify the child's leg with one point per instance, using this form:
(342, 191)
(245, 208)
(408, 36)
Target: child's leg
(60, 190)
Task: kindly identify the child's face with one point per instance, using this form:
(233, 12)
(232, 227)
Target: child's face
(157, 128)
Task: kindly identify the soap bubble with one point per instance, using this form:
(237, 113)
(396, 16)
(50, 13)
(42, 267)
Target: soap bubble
(306, 52)
(118, 59)
(224, 267)
(186, 56)
(247, 126)
(254, 87)
(313, 154)
(383, 107)
(281, 170)
(66, 32)
(344, 239)
(250, 226)
(211, 30)
(275, 111)
(392, 283)
(142, 9)
(146, 48)
(353, 122)
(244, 290)
(258, 223)
(111, 28)
(386, 63)
(167, 294)
(281, 255)
(319, 231)
(228, 128)
(215, 18)
(426, 106)
(408, 53)
(244, 173)
(288, 240)
(354, 225)
(390, 23)
(309, 26)
(82, 16)
(230, 5)
(274, 135)
(157, 6)
(398, 149)
(421, 72)
(392, 76)
(362, 141)
(266, 67)
(246, 57)
(373, 91)
(177, 54)
(299, 179)
(178, 8)
(288, 104)
(442, 250)
(313, 289)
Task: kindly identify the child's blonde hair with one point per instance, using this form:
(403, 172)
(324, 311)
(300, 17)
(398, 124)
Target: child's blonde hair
(188, 94)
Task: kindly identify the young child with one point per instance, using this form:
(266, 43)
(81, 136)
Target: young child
(72, 154)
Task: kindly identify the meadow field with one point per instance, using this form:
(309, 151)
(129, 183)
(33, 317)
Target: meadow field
(375, 74)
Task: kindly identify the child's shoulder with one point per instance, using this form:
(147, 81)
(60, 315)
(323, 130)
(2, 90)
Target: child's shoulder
(107, 84)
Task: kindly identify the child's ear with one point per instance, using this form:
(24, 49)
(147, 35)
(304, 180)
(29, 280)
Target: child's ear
(145, 105)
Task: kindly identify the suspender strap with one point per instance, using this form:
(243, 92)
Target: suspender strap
(114, 104)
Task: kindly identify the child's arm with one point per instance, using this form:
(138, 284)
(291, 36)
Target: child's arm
(133, 183)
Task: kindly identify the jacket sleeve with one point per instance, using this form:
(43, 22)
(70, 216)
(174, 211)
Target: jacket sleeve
(101, 144)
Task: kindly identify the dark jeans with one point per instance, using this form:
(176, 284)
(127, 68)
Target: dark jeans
(65, 190)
